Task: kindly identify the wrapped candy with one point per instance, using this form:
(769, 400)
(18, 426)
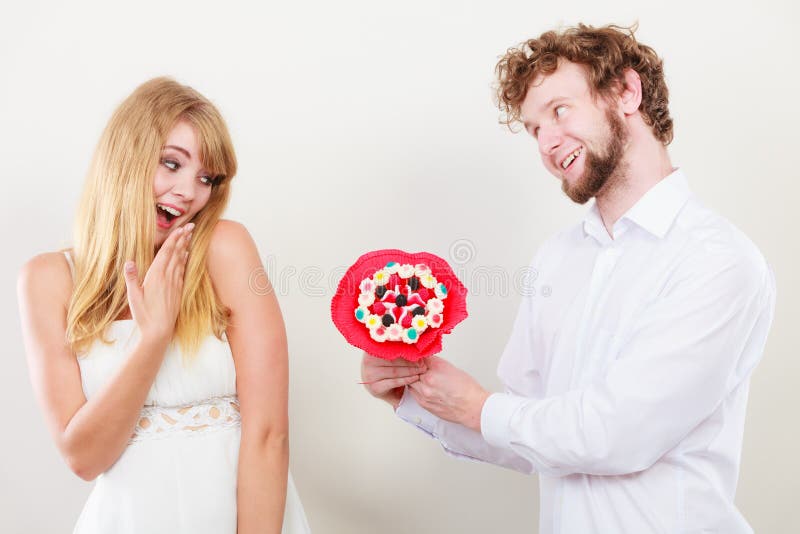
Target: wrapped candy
(394, 304)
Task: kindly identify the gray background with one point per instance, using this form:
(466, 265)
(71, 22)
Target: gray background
(333, 103)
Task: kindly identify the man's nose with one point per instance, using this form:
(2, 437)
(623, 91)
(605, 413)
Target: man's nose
(549, 140)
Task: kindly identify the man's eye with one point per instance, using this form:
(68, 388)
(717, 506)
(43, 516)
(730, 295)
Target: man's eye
(171, 164)
(560, 110)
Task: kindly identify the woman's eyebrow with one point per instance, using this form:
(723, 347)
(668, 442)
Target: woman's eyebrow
(180, 149)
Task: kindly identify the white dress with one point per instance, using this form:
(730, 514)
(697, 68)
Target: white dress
(178, 473)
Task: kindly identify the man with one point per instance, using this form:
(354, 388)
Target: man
(626, 387)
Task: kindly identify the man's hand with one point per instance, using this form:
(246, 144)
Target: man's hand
(386, 379)
(449, 393)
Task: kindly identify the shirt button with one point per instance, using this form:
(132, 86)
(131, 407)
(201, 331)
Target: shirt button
(419, 420)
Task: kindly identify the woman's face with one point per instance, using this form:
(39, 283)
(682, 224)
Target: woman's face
(181, 185)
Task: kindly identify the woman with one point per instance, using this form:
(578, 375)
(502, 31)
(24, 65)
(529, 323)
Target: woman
(171, 388)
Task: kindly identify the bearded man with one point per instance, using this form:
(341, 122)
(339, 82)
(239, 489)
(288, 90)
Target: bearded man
(626, 388)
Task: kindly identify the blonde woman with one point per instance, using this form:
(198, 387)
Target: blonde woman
(160, 372)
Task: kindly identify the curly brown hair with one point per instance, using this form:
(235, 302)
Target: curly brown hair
(605, 53)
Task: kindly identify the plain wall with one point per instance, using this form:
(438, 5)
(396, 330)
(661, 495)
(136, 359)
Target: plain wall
(365, 125)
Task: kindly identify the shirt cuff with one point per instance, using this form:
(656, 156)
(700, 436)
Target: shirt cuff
(411, 412)
(496, 418)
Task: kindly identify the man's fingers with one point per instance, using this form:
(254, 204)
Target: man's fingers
(414, 392)
(381, 387)
(421, 389)
(389, 367)
(386, 373)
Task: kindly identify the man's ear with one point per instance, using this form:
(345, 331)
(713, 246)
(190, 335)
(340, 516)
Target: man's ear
(630, 95)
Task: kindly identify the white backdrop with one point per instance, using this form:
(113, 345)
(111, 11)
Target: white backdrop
(351, 119)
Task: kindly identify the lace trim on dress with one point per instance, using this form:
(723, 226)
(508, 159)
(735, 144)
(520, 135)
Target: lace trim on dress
(212, 414)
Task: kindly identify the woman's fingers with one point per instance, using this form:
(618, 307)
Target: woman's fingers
(131, 275)
(178, 255)
(159, 298)
(164, 254)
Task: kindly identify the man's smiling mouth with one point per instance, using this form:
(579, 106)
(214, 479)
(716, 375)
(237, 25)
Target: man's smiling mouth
(570, 158)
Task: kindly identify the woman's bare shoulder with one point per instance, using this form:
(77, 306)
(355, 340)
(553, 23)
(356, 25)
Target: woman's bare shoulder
(232, 253)
(229, 240)
(45, 278)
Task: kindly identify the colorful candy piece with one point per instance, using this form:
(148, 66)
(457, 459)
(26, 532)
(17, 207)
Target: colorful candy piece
(373, 322)
(419, 322)
(391, 267)
(381, 277)
(367, 285)
(406, 271)
(362, 314)
(387, 319)
(379, 308)
(441, 291)
(428, 280)
(394, 332)
(366, 299)
(410, 336)
(435, 306)
(394, 281)
(379, 334)
(415, 300)
(434, 320)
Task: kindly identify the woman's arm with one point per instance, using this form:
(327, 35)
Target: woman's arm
(258, 341)
(92, 434)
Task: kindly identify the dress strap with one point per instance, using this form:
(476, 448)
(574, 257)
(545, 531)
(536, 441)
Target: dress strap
(71, 263)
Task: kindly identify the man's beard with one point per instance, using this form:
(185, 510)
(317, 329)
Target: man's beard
(599, 168)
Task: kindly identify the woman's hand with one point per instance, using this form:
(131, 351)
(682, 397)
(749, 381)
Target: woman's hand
(155, 304)
(386, 379)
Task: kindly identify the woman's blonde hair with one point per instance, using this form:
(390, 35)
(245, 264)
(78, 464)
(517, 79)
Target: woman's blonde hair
(116, 218)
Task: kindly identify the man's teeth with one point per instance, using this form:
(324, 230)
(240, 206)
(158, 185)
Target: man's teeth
(566, 162)
(171, 211)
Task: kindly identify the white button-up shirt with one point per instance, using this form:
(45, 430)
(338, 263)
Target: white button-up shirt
(627, 372)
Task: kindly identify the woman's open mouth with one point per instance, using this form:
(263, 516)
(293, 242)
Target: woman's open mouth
(166, 215)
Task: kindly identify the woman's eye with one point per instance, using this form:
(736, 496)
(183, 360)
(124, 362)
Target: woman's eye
(560, 110)
(171, 164)
(207, 180)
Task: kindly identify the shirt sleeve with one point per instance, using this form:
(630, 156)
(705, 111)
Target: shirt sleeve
(688, 350)
(457, 440)
(522, 377)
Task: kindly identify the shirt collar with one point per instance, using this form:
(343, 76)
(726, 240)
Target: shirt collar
(654, 212)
